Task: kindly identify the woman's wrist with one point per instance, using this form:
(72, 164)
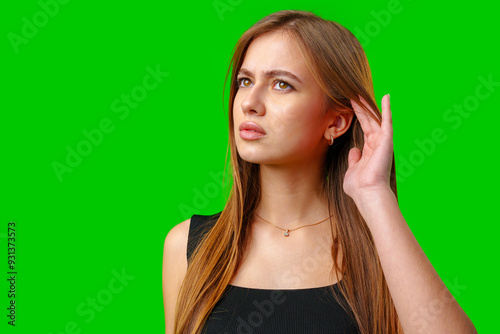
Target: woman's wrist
(371, 200)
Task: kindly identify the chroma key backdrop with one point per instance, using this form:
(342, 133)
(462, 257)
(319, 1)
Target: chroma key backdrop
(114, 129)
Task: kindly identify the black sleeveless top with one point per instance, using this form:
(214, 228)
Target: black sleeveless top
(288, 311)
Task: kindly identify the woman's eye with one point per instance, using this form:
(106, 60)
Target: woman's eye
(280, 84)
(283, 85)
(244, 82)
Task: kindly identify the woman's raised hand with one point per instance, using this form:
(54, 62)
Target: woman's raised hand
(369, 170)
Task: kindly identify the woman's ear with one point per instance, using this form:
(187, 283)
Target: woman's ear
(338, 123)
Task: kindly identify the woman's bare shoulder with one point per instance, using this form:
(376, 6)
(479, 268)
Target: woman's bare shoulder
(174, 268)
(175, 248)
(178, 235)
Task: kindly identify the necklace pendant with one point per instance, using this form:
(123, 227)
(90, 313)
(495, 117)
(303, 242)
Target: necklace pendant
(286, 233)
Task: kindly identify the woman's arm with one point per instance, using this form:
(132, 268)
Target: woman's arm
(174, 269)
(422, 300)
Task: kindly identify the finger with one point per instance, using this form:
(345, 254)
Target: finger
(371, 123)
(375, 124)
(363, 117)
(353, 157)
(386, 115)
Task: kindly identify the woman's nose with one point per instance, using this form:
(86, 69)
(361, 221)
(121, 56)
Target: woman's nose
(253, 101)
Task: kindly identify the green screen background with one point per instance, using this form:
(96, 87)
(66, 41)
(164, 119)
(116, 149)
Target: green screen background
(155, 165)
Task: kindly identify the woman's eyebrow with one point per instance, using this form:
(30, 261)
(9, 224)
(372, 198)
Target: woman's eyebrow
(271, 73)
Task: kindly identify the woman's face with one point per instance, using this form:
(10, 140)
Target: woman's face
(278, 93)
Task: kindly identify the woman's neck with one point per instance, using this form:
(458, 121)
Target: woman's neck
(291, 197)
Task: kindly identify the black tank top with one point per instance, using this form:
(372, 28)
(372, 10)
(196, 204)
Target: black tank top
(288, 311)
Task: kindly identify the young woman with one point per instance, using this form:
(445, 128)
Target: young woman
(311, 239)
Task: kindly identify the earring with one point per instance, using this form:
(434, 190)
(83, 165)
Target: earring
(331, 140)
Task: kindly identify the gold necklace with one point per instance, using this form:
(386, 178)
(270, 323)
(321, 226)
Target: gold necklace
(287, 230)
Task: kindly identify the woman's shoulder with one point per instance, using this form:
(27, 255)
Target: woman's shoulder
(174, 246)
(176, 241)
(175, 259)
(199, 220)
(174, 267)
(178, 234)
(200, 225)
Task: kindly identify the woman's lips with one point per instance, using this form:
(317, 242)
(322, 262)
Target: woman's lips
(251, 130)
(250, 134)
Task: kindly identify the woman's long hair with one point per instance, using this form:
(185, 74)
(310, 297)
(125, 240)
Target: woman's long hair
(338, 63)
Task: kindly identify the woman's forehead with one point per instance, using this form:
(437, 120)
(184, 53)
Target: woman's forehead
(275, 50)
